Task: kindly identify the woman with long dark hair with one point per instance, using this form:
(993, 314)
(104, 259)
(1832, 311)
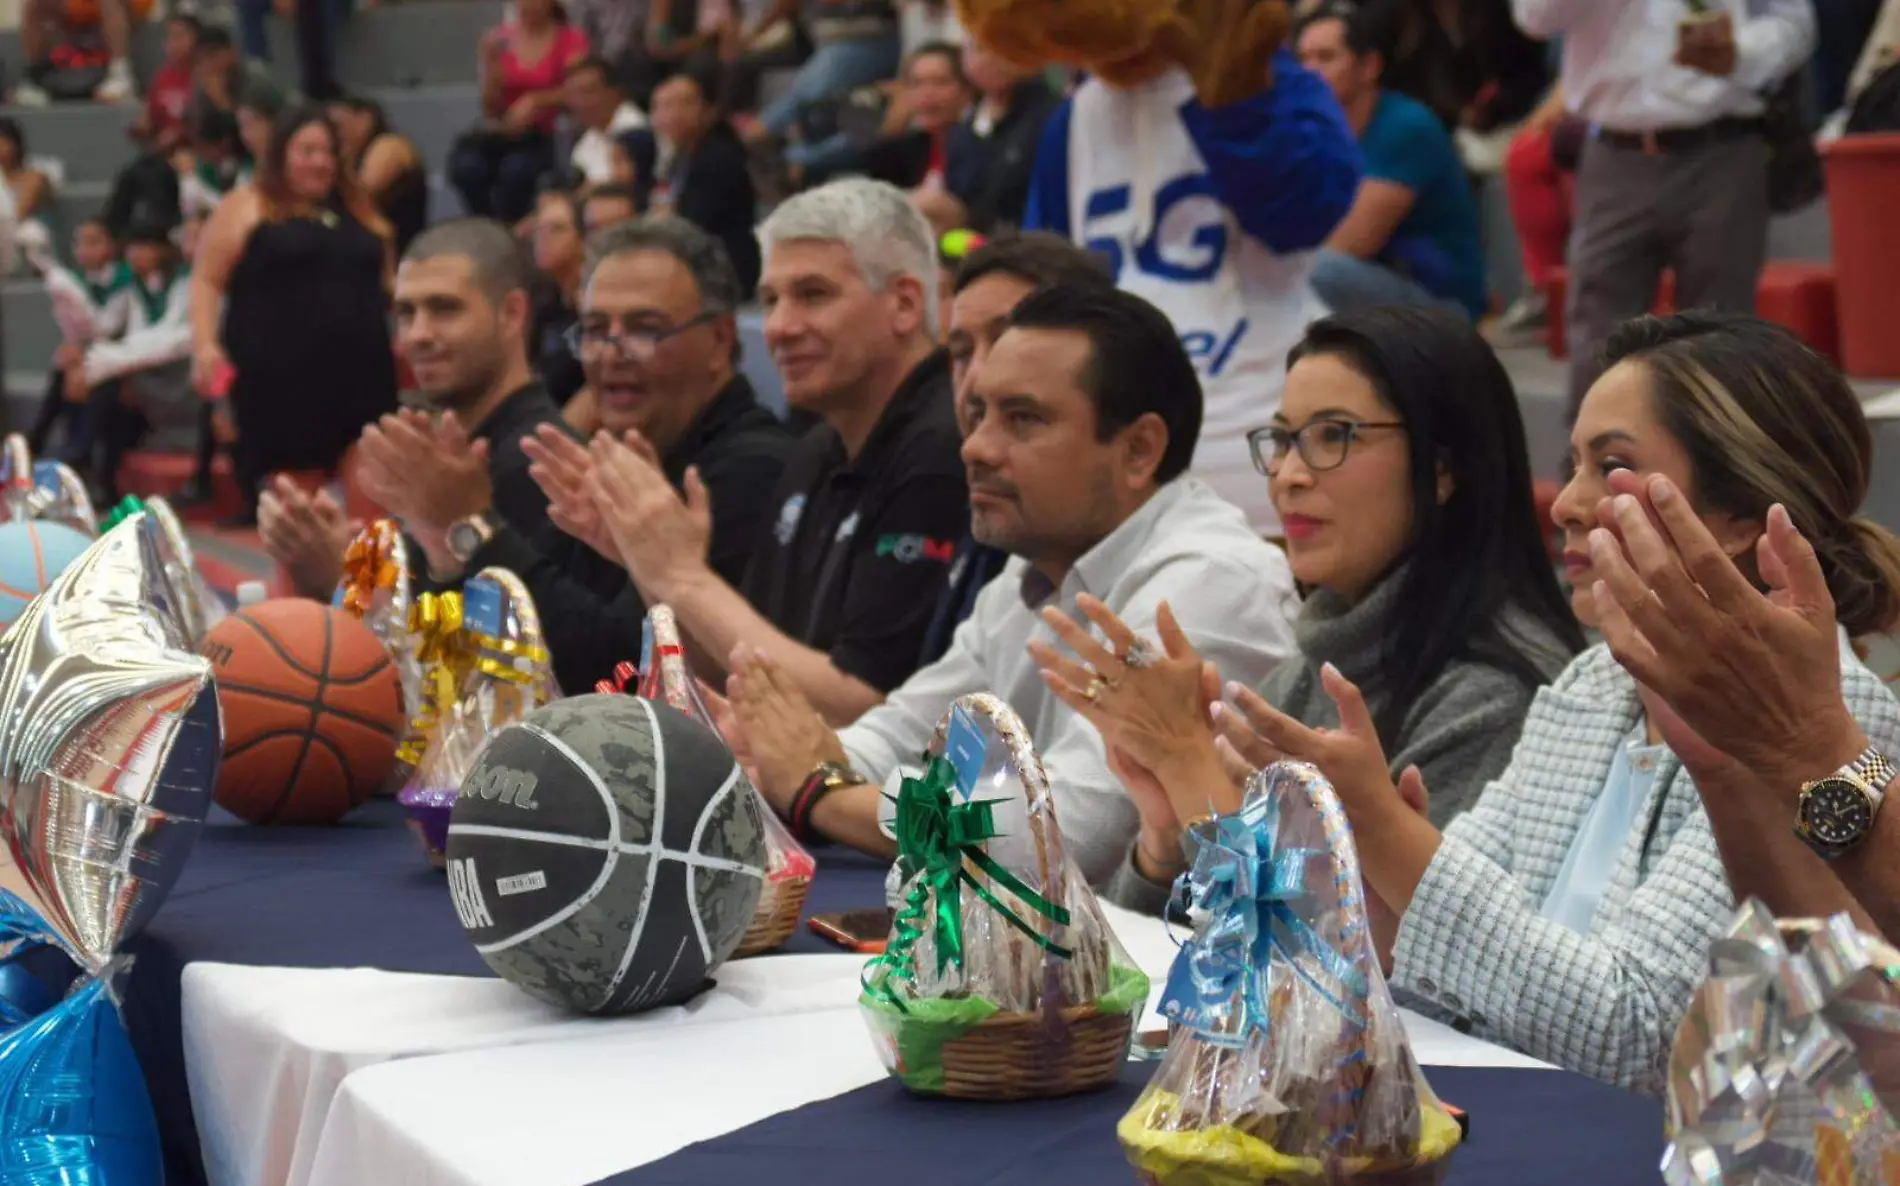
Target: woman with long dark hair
(1398, 466)
(290, 307)
(386, 164)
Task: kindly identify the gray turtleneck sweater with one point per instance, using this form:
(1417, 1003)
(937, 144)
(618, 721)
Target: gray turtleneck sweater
(1459, 732)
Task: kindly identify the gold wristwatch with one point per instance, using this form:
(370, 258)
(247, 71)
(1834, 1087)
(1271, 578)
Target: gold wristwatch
(1835, 813)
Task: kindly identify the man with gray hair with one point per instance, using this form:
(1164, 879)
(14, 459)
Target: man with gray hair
(866, 517)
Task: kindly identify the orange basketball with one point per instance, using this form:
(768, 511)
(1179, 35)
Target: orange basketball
(312, 712)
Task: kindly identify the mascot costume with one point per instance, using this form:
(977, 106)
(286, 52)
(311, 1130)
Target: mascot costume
(1206, 165)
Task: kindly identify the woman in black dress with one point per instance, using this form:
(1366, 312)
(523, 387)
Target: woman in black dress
(290, 301)
(387, 166)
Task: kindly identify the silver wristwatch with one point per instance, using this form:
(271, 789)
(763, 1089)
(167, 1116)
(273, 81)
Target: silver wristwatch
(1835, 813)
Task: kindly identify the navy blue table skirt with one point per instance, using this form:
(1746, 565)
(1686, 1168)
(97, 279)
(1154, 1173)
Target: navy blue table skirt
(355, 895)
(1528, 1128)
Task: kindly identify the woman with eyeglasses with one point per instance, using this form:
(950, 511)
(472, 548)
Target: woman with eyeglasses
(1398, 467)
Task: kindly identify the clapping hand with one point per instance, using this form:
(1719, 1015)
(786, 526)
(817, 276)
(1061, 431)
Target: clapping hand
(561, 466)
(426, 473)
(660, 536)
(1756, 674)
(783, 736)
(1351, 757)
(1707, 44)
(306, 534)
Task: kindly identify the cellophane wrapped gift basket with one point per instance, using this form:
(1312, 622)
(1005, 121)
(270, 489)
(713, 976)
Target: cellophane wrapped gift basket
(484, 666)
(1287, 1062)
(376, 590)
(1001, 979)
(664, 675)
(1786, 1068)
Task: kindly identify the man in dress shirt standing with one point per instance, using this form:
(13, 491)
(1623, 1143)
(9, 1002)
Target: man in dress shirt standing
(1675, 172)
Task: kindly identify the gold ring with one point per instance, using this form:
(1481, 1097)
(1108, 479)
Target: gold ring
(1094, 691)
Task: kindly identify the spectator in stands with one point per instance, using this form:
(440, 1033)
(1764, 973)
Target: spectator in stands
(298, 264)
(212, 164)
(226, 80)
(161, 125)
(598, 112)
(658, 339)
(462, 312)
(257, 115)
(560, 255)
(41, 21)
(710, 184)
(616, 31)
(1079, 427)
(912, 151)
(1538, 172)
(387, 165)
(31, 188)
(90, 304)
(609, 205)
(122, 380)
(991, 155)
(1281, 165)
(988, 283)
(1676, 171)
(754, 43)
(687, 35)
(872, 501)
(498, 164)
(1466, 60)
(1411, 236)
(856, 44)
(1396, 460)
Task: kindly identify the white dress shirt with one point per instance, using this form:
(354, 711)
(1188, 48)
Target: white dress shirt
(593, 155)
(1231, 591)
(1619, 68)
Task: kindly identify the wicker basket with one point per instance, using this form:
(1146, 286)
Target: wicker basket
(773, 927)
(1049, 1052)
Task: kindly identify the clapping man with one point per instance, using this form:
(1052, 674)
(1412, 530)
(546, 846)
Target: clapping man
(867, 514)
(1080, 425)
(657, 339)
(461, 318)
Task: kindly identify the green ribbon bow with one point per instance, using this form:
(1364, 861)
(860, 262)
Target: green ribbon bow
(128, 506)
(937, 839)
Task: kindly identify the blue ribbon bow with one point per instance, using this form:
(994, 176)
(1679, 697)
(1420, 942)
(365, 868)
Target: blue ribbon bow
(1248, 897)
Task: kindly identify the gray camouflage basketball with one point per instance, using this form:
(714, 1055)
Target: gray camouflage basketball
(606, 854)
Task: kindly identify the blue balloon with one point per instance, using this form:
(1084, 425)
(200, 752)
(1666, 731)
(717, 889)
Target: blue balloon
(73, 1106)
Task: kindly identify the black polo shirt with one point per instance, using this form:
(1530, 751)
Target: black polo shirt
(518, 497)
(856, 549)
(590, 612)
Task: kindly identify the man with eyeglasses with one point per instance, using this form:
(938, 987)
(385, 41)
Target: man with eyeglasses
(462, 313)
(657, 340)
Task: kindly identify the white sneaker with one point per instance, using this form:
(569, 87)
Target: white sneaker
(26, 94)
(118, 86)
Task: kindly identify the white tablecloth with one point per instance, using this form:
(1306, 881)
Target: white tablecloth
(336, 1077)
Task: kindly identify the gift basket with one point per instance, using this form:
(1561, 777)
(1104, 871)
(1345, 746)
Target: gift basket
(1786, 1068)
(664, 676)
(1287, 1061)
(484, 666)
(375, 590)
(1001, 979)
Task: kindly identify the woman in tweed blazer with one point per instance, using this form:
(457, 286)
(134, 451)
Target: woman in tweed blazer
(1740, 416)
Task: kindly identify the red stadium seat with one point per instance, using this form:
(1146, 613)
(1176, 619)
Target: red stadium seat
(1797, 294)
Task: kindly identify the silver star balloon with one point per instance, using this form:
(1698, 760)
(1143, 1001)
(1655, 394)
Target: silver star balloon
(60, 494)
(16, 477)
(199, 606)
(109, 743)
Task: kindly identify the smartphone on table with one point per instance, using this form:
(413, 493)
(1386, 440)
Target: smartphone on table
(862, 931)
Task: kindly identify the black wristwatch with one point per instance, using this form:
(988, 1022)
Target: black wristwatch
(1835, 813)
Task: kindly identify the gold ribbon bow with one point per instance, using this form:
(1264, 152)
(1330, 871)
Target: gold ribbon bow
(368, 566)
(445, 653)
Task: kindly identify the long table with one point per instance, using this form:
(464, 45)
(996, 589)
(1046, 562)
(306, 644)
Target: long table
(356, 895)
